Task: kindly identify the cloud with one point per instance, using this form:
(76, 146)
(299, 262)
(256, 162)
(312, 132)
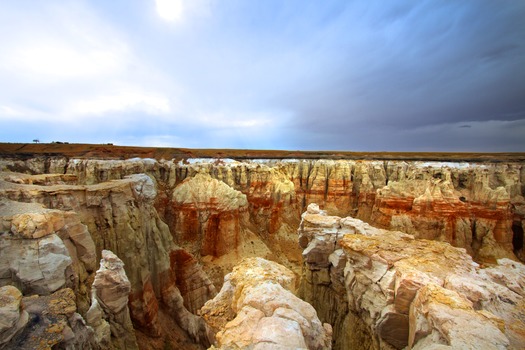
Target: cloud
(74, 67)
(428, 63)
(236, 119)
(52, 59)
(170, 10)
(122, 101)
(182, 11)
(9, 111)
(481, 136)
(153, 141)
(320, 75)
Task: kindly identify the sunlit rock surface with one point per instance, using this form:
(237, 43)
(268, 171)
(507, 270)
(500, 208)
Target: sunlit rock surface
(476, 206)
(211, 220)
(385, 289)
(13, 317)
(181, 226)
(53, 232)
(111, 289)
(256, 309)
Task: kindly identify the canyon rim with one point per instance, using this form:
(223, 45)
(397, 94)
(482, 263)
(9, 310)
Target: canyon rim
(108, 247)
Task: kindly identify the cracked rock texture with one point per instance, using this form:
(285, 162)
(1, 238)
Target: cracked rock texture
(53, 230)
(111, 289)
(180, 226)
(476, 206)
(255, 309)
(52, 321)
(13, 317)
(387, 290)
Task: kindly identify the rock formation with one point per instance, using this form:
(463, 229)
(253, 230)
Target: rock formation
(109, 313)
(476, 206)
(467, 211)
(180, 226)
(385, 289)
(60, 244)
(210, 219)
(13, 317)
(43, 250)
(42, 321)
(256, 309)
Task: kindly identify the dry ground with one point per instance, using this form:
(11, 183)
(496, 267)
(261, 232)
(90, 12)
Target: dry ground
(109, 151)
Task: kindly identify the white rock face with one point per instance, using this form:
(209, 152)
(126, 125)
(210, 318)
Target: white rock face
(43, 250)
(264, 313)
(143, 187)
(404, 292)
(39, 266)
(111, 289)
(202, 191)
(12, 317)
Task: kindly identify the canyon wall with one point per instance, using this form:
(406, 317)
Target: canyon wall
(54, 229)
(180, 227)
(476, 206)
(385, 289)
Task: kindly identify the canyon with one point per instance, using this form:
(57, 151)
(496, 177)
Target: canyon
(150, 249)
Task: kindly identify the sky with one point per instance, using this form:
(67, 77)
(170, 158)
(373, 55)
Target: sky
(346, 75)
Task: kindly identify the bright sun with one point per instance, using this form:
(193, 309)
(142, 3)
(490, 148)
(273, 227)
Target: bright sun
(170, 10)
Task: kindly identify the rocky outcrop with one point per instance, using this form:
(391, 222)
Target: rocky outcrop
(109, 313)
(43, 250)
(208, 214)
(117, 215)
(397, 291)
(256, 309)
(441, 204)
(174, 223)
(476, 206)
(193, 283)
(210, 219)
(53, 322)
(13, 317)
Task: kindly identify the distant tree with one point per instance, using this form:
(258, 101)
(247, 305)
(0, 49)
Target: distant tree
(36, 141)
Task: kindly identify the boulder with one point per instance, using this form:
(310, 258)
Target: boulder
(13, 318)
(255, 309)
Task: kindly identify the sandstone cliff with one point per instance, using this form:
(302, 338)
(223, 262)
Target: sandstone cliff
(109, 312)
(255, 309)
(59, 246)
(385, 289)
(181, 226)
(476, 206)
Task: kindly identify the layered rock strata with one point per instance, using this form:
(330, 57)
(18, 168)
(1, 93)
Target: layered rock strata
(387, 290)
(256, 309)
(476, 206)
(60, 245)
(210, 219)
(221, 211)
(109, 312)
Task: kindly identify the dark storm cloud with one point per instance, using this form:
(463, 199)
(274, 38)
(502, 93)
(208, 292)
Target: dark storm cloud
(419, 64)
(334, 74)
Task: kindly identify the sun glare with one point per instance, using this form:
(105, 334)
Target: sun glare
(170, 10)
